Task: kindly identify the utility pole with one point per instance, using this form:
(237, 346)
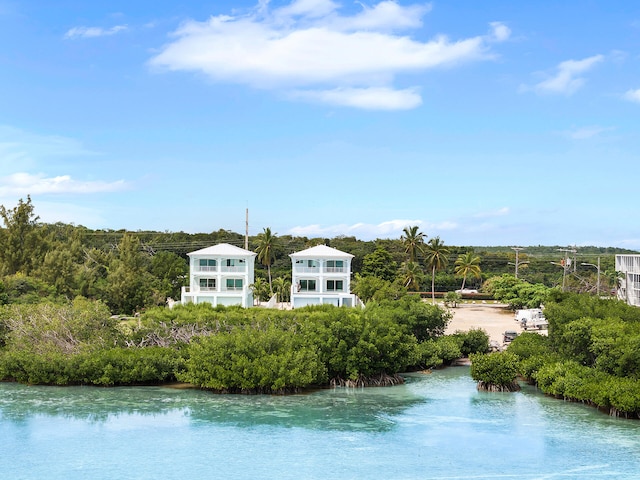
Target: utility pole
(517, 250)
(246, 230)
(566, 263)
(598, 268)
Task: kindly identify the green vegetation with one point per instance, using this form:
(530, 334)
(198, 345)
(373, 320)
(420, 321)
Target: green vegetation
(61, 284)
(591, 355)
(227, 349)
(134, 271)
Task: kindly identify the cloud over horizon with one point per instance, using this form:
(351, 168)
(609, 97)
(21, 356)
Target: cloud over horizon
(312, 52)
(93, 32)
(27, 184)
(568, 77)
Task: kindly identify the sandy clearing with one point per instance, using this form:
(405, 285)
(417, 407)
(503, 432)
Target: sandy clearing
(492, 318)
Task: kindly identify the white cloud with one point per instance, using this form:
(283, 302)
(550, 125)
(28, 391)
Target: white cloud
(567, 79)
(500, 31)
(310, 51)
(584, 133)
(27, 184)
(633, 95)
(372, 98)
(91, 32)
(365, 231)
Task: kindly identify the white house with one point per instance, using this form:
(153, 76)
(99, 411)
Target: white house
(629, 288)
(321, 275)
(220, 275)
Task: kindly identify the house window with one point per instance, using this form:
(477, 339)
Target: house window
(334, 285)
(307, 286)
(335, 265)
(234, 262)
(207, 284)
(207, 265)
(234, 284)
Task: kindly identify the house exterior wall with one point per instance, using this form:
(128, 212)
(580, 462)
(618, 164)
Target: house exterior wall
(220, 275)
(629, 288)
(321, 275)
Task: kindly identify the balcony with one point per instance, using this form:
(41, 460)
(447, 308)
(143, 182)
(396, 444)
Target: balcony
(335, 270)
(235, 268)
(201, 268)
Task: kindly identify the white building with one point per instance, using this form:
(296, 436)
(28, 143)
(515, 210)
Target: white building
(220, 275)
(629, 288)
(321, 275)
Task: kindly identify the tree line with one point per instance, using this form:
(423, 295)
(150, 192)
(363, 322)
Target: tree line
(132, 271)
(227, 349)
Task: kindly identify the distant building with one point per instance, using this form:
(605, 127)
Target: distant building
(629, 288)
(220, 275)
(321, 275)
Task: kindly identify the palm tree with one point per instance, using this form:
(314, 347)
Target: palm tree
(467, 265)
(266, 251)
(436, 259)
(260, 289)
(282, 288)
(411, 275)
(413, 242)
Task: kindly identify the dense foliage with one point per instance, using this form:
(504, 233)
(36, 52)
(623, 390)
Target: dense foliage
(132, 271)
(592, 353)
(496, 372)
(226, 349)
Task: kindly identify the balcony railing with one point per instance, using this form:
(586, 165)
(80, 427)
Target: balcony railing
(202, 268)
(236, 268)
(335, 269)
(298, 269)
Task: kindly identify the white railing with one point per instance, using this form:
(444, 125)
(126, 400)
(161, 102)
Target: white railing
(208, 289)
(201, 268)
(335, 269)
(240, 268)
(306, 269)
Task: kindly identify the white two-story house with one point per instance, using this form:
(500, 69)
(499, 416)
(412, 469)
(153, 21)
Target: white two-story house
(629, 287)
(220, 275)
(321, 275)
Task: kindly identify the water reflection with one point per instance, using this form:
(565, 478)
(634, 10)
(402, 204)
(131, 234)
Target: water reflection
(370, 409)
(435, 426)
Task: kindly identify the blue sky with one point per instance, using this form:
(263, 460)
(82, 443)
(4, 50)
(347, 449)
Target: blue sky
(485, 123)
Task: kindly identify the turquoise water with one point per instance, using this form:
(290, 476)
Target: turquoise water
(435, 426)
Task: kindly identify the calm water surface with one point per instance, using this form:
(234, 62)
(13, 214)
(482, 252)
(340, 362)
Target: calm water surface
(435, 426)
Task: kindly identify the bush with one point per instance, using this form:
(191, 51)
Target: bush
(495, 371)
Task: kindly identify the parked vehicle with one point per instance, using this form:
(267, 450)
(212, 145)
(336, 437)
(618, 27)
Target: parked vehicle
(531, 318)
(508, 336)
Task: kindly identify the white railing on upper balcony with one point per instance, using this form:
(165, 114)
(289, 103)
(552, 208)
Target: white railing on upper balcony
(205, 268)
(335, 269)
(235, 268)
(299, 269)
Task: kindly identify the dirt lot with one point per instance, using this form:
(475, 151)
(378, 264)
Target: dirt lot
(492, 318)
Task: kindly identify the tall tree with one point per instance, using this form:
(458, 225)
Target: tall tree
(436, 259)
(468, 264)
(411, 275)
(21, 246)
(413, 241)
(380, 264)
(266, 251)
